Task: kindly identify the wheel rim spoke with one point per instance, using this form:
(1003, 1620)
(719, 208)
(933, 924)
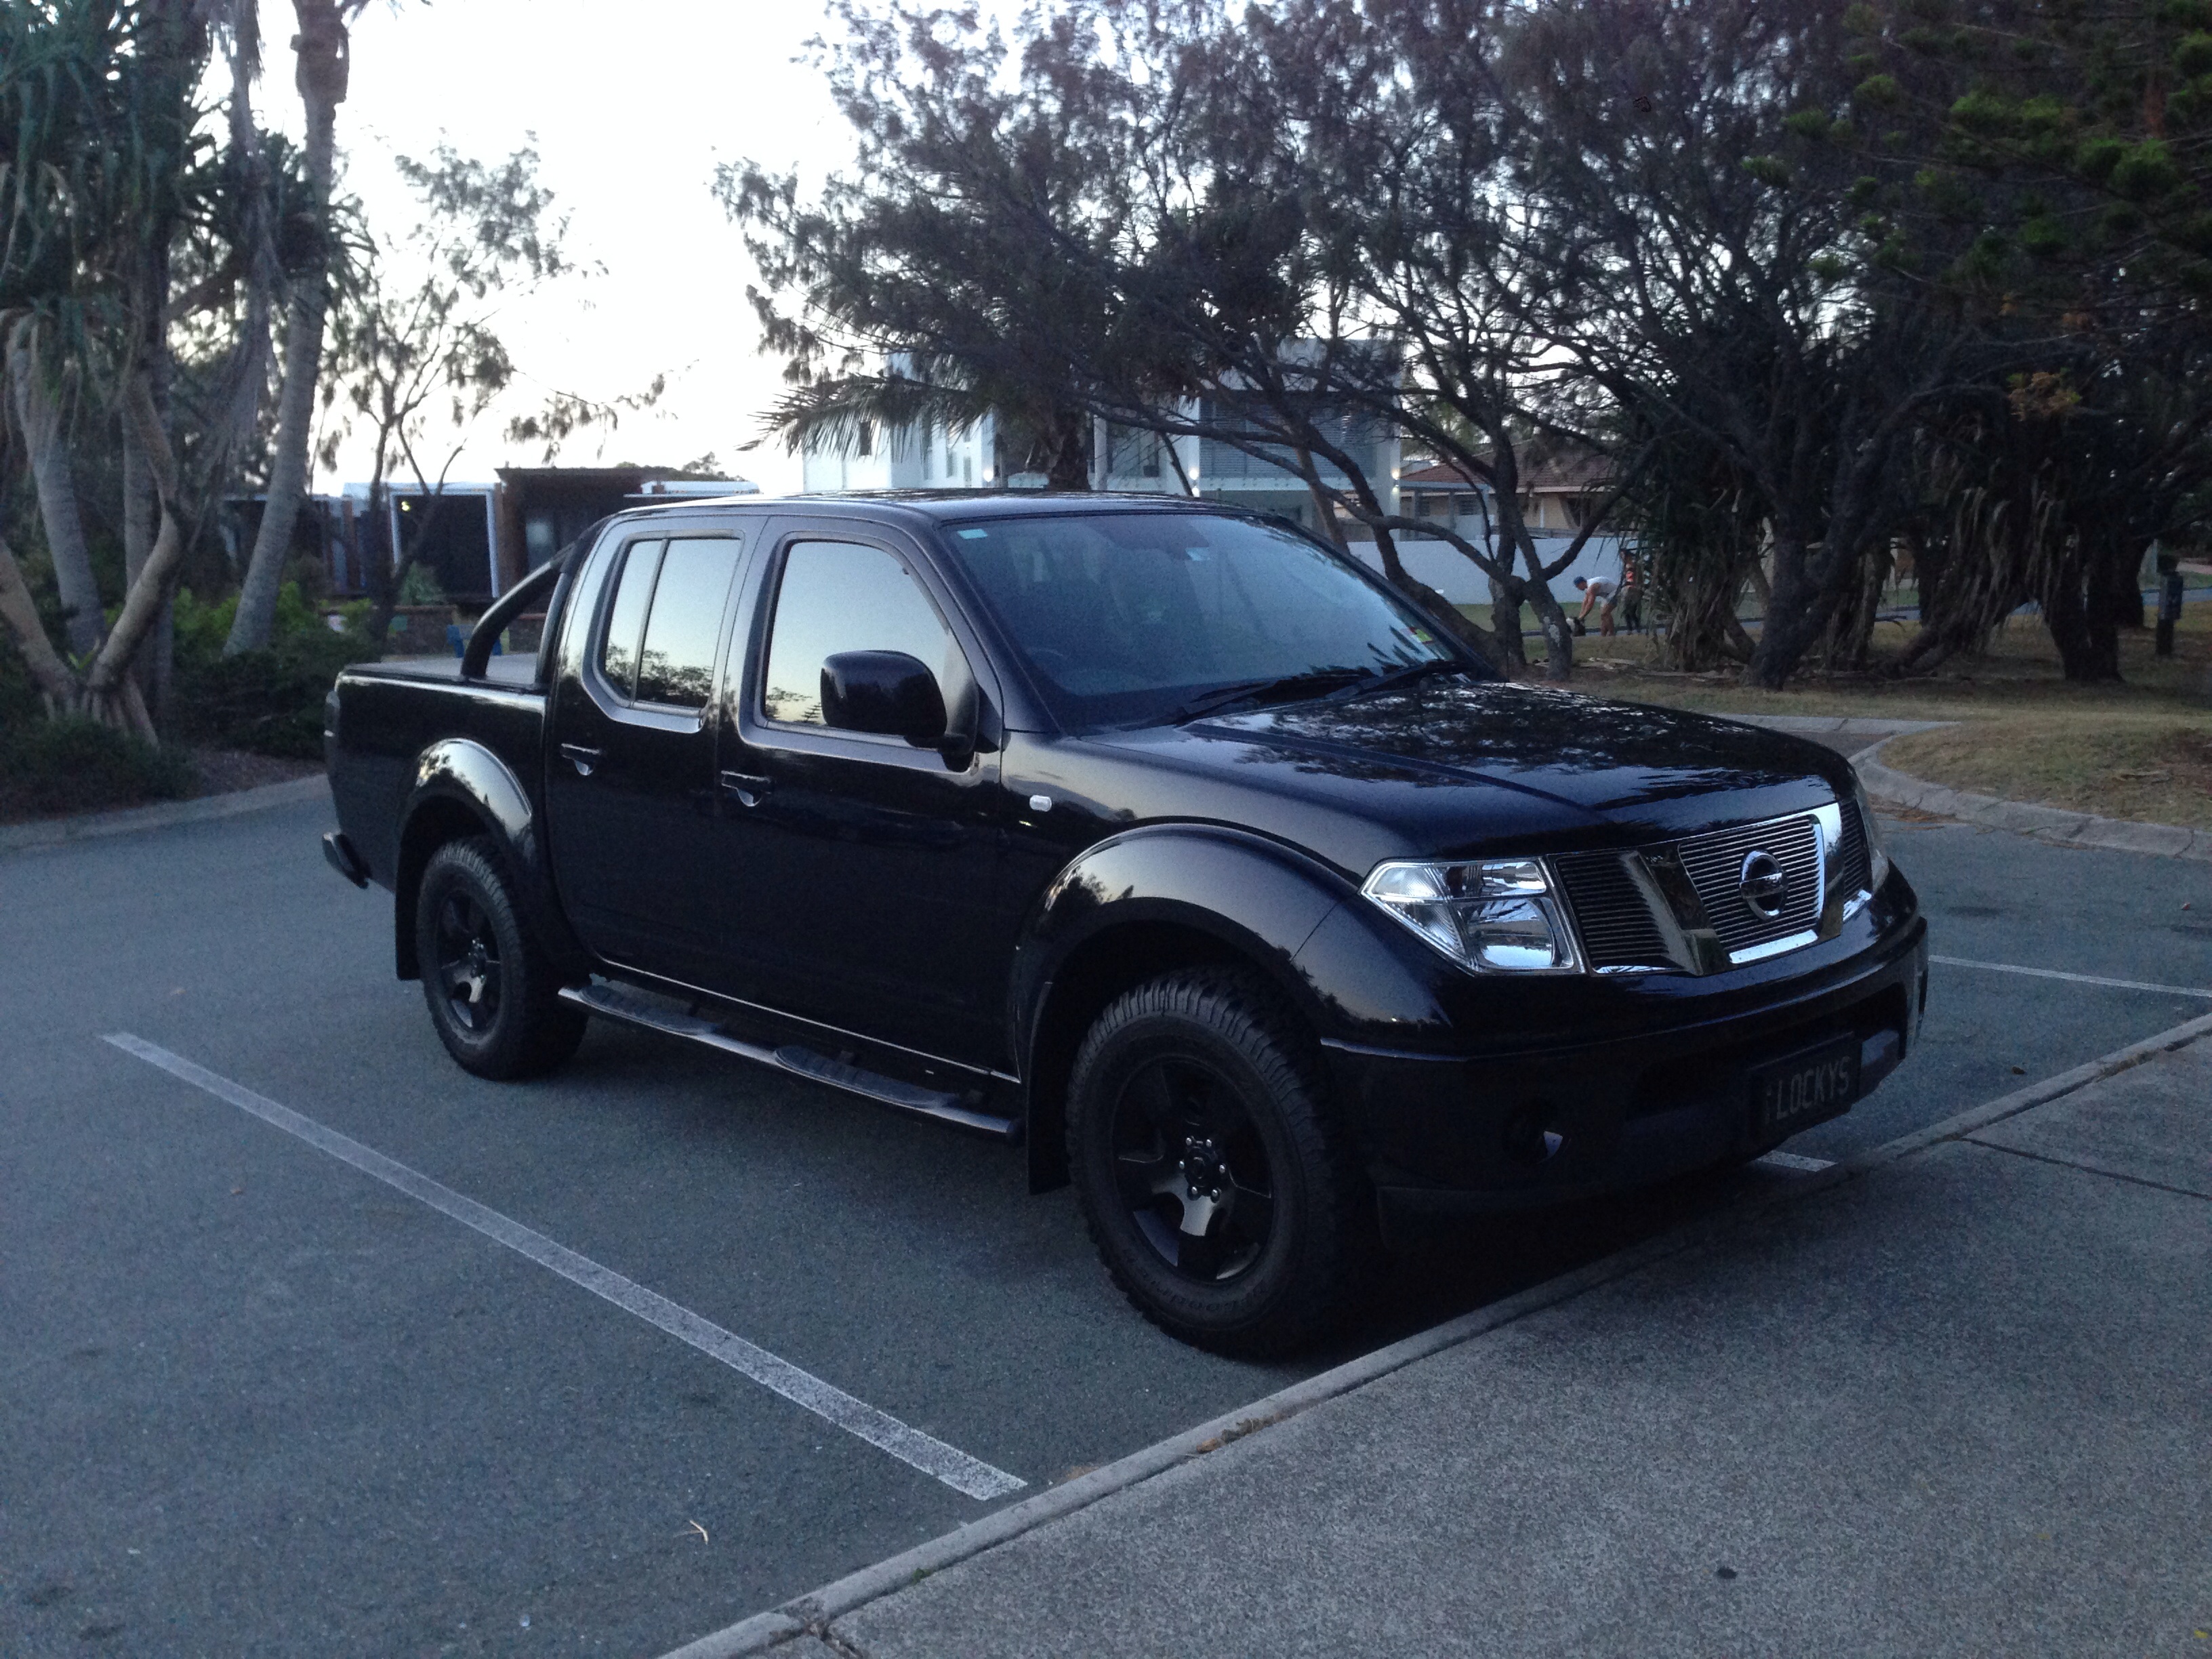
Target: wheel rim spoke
(1251, 1213)
(1143, 1178)
(467, 965)
(1192, 1169)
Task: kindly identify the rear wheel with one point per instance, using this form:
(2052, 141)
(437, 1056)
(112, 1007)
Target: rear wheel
(493, 994)
(1214, 1178)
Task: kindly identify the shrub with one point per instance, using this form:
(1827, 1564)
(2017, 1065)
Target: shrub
(78, 765)
(19, 698)
(269, 701)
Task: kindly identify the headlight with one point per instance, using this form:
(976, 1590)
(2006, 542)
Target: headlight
(1500, 915)
(1877, 852)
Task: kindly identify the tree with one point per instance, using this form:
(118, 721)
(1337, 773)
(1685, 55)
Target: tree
(130, 271)
(100, 175)
(2045, 169)
(323, 50)
(1067, 228)
(417, 354)
(1700, 242)
(918, 287)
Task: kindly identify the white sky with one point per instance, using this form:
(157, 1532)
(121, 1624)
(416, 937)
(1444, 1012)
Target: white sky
(633, 105)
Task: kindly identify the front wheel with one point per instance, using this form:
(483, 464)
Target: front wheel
(493, 995)
(1213, 1177)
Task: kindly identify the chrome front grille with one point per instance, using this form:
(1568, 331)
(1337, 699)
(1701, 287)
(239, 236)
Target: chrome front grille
(1611, 912)
(1854, 869)
(1683, 904)
(1715, 865)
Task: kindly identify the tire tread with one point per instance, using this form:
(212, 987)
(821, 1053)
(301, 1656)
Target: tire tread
(1341, 1248)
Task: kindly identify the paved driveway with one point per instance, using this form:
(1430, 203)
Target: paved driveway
(260, 1401)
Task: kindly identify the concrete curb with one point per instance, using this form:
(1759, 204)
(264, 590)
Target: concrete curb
(55, 832)
(2053, 824)
(1808, 726)
(810, 1615)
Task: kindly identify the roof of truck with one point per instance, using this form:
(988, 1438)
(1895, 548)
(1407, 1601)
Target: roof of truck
(940, 505)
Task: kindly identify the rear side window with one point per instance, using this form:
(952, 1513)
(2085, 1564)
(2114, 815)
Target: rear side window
(626, 619)
(677, 664)
(666, 620)
(840, 596)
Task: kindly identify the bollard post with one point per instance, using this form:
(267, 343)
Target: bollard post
(2169, 601)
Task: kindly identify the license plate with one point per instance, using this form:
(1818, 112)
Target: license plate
(1806, 1089)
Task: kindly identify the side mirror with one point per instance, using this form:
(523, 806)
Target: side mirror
(885, 691)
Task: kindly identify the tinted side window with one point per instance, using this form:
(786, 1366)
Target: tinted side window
(626, 618)
(677, 662)
(838, 596)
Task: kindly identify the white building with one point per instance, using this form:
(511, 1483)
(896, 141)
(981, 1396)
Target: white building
(1129, 459)
(904, 456)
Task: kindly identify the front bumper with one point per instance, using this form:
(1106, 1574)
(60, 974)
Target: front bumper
(1512, 1129)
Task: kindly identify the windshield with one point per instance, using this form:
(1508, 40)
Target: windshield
(1137, 618)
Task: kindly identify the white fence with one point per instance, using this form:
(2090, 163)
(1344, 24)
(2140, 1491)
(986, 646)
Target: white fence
(1448, 570)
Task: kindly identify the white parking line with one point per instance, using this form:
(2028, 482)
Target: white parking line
(2076, 979)
(968, 1475)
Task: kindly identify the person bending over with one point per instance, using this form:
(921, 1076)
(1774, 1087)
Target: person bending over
(1596, 594)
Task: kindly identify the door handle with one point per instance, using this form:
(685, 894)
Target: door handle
(749, 790)
(582, 758)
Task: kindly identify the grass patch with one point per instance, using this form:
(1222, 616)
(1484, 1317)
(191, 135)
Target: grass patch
(50, 767)
(2019, 674)
(2141, 750)
(2152, 768)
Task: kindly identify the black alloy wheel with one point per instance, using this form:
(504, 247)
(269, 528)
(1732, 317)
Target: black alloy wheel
(493, 994)
(467, 963)
(1214, 1176)
(1193, 1170)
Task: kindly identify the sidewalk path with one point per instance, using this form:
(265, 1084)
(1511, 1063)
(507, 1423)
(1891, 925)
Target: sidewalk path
(1952, 1403)
(203, 809)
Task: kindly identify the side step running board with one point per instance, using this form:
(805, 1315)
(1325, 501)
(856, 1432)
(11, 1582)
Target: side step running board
(652, 1014)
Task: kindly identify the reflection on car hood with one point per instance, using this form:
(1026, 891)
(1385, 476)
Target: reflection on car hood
(1620, 763)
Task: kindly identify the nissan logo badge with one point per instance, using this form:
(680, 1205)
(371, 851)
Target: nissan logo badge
(1762, 883)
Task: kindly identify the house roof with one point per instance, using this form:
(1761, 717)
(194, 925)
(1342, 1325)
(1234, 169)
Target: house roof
(612, 477)
(1544, 471)
(1440, 476)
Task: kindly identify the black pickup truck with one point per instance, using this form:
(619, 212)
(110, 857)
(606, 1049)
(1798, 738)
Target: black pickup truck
(1162, 837)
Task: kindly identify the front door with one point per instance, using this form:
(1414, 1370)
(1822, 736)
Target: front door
(860, 869)
(630, 793)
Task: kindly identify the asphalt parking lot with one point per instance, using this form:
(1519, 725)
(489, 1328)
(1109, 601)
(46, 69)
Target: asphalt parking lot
(262, 1399)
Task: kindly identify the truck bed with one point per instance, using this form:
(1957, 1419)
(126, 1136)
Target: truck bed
(389, 714)
(511, 671)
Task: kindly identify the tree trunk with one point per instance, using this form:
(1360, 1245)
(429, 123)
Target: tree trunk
(2127, 609)
(2078, 611)
(38, 419)
(140, 514)
(1793, 619)
(111, 693)
(321, 46)
(57, 686)
(1559, 635)
(1505, 621)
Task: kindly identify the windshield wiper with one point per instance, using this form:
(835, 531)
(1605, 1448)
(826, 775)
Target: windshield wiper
(1397, 676)
(1221, 698)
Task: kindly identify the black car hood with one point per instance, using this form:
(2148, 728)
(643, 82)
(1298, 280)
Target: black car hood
(1461, 755)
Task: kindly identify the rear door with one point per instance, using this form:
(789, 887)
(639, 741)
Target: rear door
(858, 872)
(630, 791)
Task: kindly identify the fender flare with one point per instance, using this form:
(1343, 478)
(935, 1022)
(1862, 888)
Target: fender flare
(458, 782)
(1248, 898)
